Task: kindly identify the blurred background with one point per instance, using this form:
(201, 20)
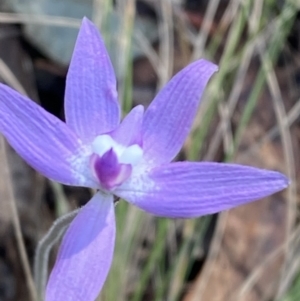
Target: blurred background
(249, 115)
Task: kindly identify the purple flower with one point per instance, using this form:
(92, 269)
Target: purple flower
(130, 159)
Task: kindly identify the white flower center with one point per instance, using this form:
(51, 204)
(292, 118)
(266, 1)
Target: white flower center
(126, 155)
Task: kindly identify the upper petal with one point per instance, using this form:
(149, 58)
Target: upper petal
(186, 189)
(91, 104)
(169, 118)
(42, 140)
(85, 254)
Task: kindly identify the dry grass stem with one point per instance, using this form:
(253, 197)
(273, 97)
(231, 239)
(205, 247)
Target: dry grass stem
(288, 155)
(7, 75)
(201, 283)
(17, 226)
(253, 278)
(13, 18)
(166, 47)
(200, 41)
(289, 119)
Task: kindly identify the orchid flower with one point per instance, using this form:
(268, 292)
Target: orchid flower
(130, 160)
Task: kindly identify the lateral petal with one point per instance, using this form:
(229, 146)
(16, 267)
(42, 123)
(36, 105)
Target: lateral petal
(85, 254)
(186, 189)
(169, 117)
(91, 104)
(42, 140)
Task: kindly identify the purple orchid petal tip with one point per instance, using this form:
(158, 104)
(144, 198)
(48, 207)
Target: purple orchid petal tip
(140, 109)
(285, 181)
(85, 19)
(86, 23)
(210, 66)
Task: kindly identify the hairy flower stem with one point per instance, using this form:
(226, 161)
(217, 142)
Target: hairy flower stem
(43, 250)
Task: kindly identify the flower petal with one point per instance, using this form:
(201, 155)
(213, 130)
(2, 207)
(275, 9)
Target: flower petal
(186, 189)
(169, 118)
(42, 140)
(85, 254)
(91, 104)
(130, 130)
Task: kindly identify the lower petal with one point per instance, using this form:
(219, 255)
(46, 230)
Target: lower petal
(186, 189)
(85, 254)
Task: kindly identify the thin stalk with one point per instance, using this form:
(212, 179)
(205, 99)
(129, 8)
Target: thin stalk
(233, 40)
(44, 247)
(166, 43)
(182, 264)
(284, 25)
(124, 61)
(17, 227)
(153, 259)
(13, 18)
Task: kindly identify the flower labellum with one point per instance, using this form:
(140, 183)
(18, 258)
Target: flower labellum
(130, 159)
